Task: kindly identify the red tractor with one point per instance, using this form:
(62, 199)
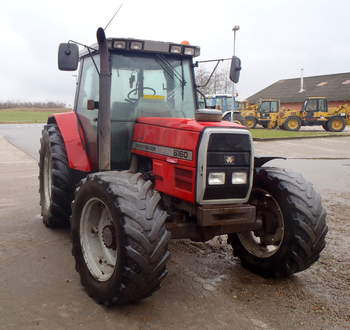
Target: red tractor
(136, 164)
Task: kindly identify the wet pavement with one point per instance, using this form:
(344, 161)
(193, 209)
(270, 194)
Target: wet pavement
(206, 287)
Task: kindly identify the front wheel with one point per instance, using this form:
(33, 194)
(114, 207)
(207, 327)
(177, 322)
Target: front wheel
(251, 122)
(120, 242)
(294, 225)
(292, 124)
(238, 118)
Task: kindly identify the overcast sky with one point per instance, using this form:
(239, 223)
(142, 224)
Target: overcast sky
(276, 38)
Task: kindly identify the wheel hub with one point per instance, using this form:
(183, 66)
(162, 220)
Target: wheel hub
(293, 124)
(265, 242)
(98, 239)
(108, 237)
(336, 124)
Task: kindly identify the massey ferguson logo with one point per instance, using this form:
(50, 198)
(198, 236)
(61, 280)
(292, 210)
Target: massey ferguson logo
(229, 160)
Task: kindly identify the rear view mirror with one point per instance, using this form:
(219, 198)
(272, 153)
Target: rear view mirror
(235, 69)
(68, 57)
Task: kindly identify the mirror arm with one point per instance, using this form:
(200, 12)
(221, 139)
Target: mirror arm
(78, 43)
(205, 100)
(93, 60)
(89, 50)
(217, 63)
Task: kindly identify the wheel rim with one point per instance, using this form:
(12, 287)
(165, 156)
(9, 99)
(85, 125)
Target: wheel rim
(250, 123)
(293, 124)
(98, 239)
(266, 242)
(337, 124)
(47, 180)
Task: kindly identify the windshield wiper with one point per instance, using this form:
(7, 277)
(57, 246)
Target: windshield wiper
(170, 70)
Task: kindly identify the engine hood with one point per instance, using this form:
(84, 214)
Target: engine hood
(185, 123)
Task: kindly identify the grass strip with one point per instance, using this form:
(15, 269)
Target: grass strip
(19, 116)
(282, 134)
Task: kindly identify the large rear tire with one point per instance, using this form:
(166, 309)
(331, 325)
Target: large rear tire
(336, 124)
(120, 240)
(55, 182)
(294, 225)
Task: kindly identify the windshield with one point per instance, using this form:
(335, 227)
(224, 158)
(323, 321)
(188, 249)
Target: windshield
(151, 86)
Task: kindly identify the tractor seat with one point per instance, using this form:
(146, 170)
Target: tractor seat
(149, 107)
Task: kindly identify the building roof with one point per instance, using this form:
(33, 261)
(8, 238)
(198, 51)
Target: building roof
(335, 87)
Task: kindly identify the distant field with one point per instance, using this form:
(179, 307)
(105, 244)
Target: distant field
(35, 115)
(278, 134)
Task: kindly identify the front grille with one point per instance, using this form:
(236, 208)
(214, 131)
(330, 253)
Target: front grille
(228, 142)
(228, 151)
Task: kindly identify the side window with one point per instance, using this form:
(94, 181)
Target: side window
(322, 105)
(89, 87)
(227, 117)
(274, 107)
(311, 105)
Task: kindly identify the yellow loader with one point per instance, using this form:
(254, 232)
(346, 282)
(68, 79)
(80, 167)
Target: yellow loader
(264, 113)
(314, 112)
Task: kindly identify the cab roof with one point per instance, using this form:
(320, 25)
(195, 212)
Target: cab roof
(146, 46)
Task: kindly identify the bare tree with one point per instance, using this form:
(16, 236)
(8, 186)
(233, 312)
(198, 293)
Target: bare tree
(41, 105)
(219, 83)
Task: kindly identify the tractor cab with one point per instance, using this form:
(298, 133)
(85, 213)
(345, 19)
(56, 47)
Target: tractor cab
(266, 107)
(222, 102)
(313, 105)
(143, 79)
(267, 112)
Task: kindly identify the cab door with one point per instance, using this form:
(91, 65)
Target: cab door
(88, 90)
(264, 110)
(310, 108)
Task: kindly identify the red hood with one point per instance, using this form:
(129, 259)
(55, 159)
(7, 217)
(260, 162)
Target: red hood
(185, 123)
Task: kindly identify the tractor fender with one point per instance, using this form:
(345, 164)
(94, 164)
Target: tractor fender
(73, 138)
(260, 161)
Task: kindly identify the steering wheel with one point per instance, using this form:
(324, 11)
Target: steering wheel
(134, 100)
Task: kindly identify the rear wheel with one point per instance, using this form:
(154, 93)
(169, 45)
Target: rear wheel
(250, 122)
(120, 242)
(336, 124)
(294, 225)
(55, 181)
(292, 124)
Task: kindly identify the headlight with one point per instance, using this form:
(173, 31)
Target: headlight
(120, 44)
(189, 51)
(175, 49)
(216, 178)
(136, 45)
(239, 177)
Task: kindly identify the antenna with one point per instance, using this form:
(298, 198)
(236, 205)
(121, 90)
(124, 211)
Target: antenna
(115, 14)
